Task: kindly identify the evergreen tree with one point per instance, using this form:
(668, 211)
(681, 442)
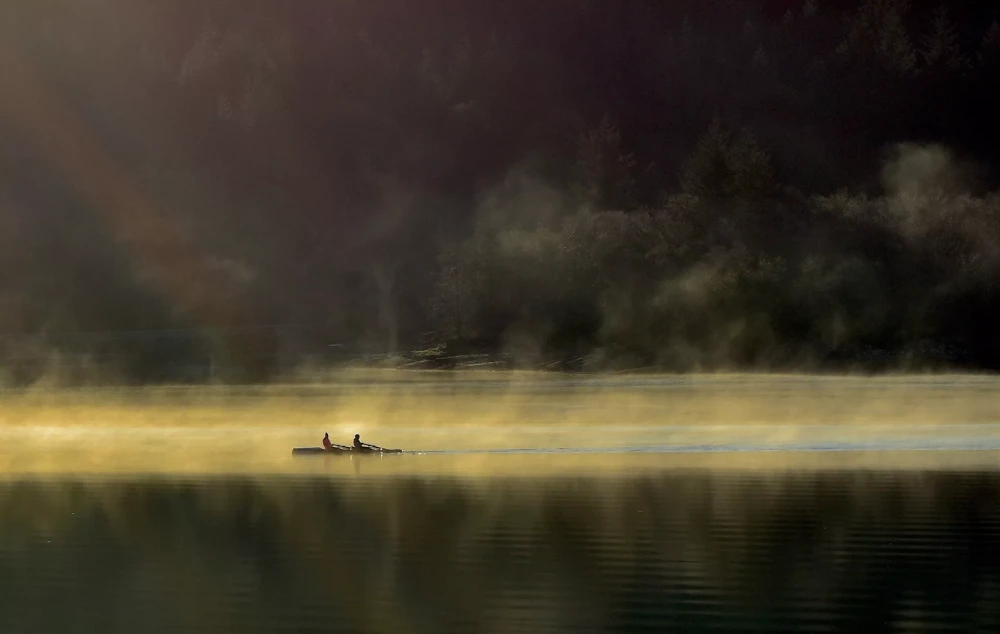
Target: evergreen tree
(750, 166)
(728, 165)
(989, 51)
(706, 171)
(760, 59)
(879, 30)
(605, 172)
(942, 49)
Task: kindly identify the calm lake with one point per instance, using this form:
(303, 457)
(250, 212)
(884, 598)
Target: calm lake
(747, 506)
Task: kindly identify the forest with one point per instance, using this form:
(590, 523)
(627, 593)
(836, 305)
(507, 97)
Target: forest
(234, 190)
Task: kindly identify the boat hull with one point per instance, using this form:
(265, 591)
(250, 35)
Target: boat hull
(315, 451)
(309, 451)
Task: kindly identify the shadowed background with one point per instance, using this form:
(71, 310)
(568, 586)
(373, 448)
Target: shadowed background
(231, 191)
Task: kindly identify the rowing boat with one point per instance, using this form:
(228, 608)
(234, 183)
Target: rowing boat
(303, 451)
(338, 451)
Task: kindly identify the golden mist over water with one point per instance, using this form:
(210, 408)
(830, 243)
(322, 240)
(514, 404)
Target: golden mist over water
(609, 423)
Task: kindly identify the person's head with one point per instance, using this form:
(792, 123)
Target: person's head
(357, 436)
(326, 435)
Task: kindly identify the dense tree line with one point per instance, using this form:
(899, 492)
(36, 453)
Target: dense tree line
(627, 183)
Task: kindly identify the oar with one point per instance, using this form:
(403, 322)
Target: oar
(383, 449)
(336, 446)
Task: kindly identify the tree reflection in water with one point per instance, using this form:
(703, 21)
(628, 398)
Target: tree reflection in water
(691, 549)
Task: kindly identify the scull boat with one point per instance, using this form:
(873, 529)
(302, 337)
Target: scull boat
(342, 451)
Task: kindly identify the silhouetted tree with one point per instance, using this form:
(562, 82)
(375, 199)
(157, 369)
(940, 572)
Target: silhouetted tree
(728, 165)
(760, 59)
(878, 29)
(989, 50)
(605, 171)
(941, 46)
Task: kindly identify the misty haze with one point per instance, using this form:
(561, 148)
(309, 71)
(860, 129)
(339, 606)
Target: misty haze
(665, 316)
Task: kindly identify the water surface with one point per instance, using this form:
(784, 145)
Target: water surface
(689, 549)
(623, 504)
